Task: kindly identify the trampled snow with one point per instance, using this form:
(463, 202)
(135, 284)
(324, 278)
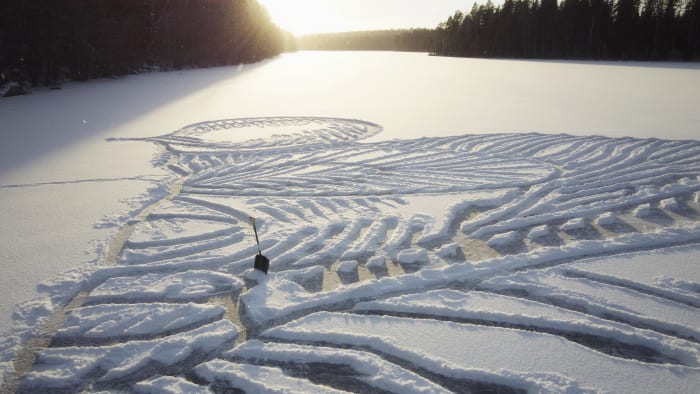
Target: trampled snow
(500, 356)
(258, 379)
(67, 367)
(443, 256)
(135, 320)
(375, 371)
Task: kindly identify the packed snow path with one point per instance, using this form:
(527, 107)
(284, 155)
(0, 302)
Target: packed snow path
(511, 262)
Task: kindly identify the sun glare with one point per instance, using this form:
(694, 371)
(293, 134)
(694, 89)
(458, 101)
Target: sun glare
(303, 16)
(326, 16)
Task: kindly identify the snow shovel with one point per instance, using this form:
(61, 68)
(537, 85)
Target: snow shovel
(261, 262)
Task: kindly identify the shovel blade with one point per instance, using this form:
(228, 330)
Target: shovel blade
(262, 263)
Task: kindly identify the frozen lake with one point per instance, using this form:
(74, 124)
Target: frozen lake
(74, 169)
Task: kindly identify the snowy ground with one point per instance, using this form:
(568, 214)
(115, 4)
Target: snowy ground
(536, 262)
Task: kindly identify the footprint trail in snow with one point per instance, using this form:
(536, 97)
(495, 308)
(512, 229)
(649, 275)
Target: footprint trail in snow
(436, 264)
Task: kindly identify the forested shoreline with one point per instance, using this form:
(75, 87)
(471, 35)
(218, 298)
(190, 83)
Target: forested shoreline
(649, 30)
(44, 42)
(407, 40)
(575, 29)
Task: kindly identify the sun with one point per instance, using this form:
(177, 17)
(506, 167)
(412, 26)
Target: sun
(301, 17)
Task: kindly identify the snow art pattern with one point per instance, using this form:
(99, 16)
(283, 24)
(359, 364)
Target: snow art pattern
(431, 265)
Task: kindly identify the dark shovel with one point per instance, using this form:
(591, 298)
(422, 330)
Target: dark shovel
(262, 263)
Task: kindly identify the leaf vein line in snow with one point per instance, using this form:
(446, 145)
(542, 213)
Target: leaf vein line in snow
(142, 178)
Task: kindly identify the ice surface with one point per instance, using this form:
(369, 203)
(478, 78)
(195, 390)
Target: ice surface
(46, 232)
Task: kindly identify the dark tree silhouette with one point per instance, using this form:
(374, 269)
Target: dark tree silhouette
(43, 42)
(691, 29)
(574, 29)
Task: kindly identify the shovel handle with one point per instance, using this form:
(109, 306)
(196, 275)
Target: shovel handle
(252, 220)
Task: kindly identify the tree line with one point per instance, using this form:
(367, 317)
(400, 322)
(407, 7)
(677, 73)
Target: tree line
(575, 29)
(43, 42)
(407, 40)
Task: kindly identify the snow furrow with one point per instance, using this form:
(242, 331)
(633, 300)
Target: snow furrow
(505, 311)
(75, 367)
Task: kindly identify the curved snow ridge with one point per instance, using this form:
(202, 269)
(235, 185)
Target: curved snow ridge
(180, 286)
(374, 238)
(496, 309)
(428, 345)
(71, 367)
(276, 299)
(595, 206)
(439, 171)
(444, 227)
(258, 379)
(173, 241)
(668, 288)
(604, 300)
(368, 367)
(267, 132)
(643, 273)
(431, 344)
(134, 321)
(145, 253)
(344, 234)
(169, 384)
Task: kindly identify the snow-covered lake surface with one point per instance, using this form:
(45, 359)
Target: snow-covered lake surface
(433, 224)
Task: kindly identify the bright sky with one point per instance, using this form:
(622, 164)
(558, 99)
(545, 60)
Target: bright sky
(322, 16)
